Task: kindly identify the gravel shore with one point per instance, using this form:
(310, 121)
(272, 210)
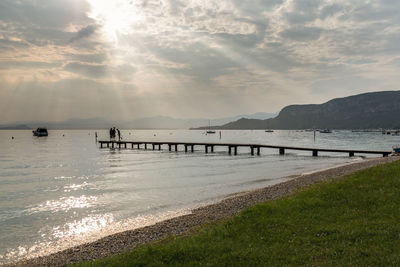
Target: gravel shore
(121, 242)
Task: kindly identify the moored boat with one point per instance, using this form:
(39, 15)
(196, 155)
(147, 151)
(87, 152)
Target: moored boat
(40, 132)
(325, 131)
(209, 131)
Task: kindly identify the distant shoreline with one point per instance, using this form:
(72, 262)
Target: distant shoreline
(123, 241)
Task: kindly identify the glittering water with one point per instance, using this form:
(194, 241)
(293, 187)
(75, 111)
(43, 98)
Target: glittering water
(62, 190)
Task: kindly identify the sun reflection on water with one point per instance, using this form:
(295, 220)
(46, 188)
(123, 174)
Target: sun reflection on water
(88, 224)
(65, 204)
(74, 187)
(88, 229)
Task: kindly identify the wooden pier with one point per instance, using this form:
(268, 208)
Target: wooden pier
(232, 148)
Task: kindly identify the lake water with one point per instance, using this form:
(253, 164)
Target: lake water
(63, 190)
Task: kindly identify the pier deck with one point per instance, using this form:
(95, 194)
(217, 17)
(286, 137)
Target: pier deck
(232, 147)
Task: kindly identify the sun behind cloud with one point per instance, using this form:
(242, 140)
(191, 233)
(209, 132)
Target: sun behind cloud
(116, 17)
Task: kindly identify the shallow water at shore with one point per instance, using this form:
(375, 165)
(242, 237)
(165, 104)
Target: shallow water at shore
(63, 190)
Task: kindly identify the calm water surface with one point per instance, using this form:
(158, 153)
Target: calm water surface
(62, 190)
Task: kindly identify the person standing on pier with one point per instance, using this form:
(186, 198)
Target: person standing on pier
(119, 135)
(111, 133)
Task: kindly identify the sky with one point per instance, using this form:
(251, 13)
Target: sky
(126, 59)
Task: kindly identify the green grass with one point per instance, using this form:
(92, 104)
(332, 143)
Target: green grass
(351, 221)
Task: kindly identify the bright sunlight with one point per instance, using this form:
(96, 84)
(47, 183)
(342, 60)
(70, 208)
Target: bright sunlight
(116, 17)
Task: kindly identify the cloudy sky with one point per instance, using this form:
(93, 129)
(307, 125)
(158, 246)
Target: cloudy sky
(190, 58)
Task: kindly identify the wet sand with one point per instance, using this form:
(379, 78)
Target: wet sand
(121, 242)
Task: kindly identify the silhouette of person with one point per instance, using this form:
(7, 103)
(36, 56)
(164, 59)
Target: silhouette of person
(119, 135)
(111, 133)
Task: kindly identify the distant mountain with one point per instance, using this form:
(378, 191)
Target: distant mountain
(365, 111)
(157, 122)
(258, 115)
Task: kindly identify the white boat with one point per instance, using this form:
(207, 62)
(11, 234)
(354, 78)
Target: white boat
(40, 132)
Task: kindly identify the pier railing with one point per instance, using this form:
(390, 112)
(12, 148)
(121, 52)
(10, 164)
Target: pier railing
(232, 147)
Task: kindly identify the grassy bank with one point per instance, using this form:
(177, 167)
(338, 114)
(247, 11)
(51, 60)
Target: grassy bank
(351, 221)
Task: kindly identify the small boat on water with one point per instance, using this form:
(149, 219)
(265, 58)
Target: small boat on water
(209, 131)
(269, 131)
(40, 132)
(325, 131)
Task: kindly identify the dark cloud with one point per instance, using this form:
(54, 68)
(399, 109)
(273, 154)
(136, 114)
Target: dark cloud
(44, 23)
(301, 34)
(44, 13)
(330, 10)
(7, 45)
(304, 11)
(84, 33)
